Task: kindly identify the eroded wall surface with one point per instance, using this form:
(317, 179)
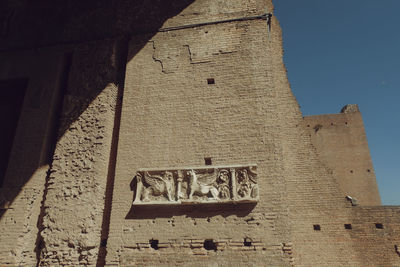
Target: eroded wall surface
(196, 87)
(75, 189)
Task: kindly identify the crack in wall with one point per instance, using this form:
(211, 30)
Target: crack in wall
(225, 52)
(191, 57)
(190, 53)
(157, 59)
(192, 61)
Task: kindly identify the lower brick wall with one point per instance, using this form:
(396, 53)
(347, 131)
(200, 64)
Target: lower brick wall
(193, 254)
(376, 235)
(353, 236)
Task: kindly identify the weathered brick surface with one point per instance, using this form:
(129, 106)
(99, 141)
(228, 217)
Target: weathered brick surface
(74, 199)
(172, 117)
(342, 146)
(373, 246)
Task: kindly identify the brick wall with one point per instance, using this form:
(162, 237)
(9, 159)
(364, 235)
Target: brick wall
(342, 146)
(375, 235)
(172, 117)
(75, 190)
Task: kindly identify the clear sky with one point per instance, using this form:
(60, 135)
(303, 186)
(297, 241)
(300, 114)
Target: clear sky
(348, 52)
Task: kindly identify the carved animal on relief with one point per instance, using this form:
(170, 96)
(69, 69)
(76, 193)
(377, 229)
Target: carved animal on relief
(199, 188)
(156, 185)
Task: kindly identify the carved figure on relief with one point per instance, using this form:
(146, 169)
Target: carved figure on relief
(200, 189)
(224, 191)
(156, 185)
(246, 184)
(196, 185)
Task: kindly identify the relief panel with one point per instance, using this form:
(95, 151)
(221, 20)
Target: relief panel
(197, 185)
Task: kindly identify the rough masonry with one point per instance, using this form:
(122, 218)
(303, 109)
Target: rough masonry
(165, 133)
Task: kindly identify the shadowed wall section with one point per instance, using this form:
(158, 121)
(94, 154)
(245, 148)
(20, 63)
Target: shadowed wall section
(71, 228)
(23, 186)
(79, 171)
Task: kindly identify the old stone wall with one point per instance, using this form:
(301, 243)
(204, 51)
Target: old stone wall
(75, 189)
(173, 115)
(375, 235)
(204, 84)
(312, 195)
(342, 146)
(356, 236)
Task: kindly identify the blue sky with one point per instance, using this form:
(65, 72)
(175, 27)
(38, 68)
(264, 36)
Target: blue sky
(348, 52)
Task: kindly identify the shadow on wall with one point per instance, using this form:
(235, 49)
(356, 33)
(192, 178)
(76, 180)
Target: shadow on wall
(30, 25)
(190, 211)
(83, 30)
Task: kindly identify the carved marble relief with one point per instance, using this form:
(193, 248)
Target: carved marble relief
(230, 184)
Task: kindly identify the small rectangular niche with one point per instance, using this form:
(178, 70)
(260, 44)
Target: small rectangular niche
(154, 244)
(247, 242)
(209, 244)
(317, 227)
(348, 226)
(208, 161)
(210, 81)
(379, 226)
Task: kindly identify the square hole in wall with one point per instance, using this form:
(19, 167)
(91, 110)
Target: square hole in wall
(379, 226)
(209, 244)
(317, 227)
(348, 226)
(154, 243)
(247, 242)
(208, 161)
(210, 81)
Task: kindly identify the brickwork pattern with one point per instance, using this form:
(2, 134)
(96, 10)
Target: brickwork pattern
(171, 116)
(342, 146)
(216, 91)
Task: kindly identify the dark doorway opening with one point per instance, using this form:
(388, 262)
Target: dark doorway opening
(12, 93)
